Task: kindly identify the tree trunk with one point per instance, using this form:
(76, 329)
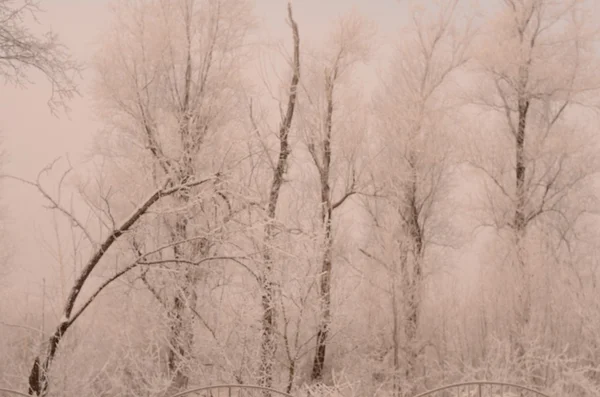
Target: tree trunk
(267, 284)
(326, 213)
(181, 335)
(414, 276)
(38, 377)
(520, 222)
(325, 296)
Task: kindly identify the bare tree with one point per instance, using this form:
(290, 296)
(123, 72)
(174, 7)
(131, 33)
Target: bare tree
(266, 278)
(351, 41)
(411, 112)
(538, 84)
(158, 85)
(173, 93)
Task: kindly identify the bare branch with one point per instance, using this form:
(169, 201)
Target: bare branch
(22, 51)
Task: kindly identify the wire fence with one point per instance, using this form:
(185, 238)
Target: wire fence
(232, 391)
(465, 389)
(483, 389)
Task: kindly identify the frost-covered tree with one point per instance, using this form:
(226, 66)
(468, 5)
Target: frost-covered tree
(170, 81)
(333, 140)
(537, 158)
(414, 113)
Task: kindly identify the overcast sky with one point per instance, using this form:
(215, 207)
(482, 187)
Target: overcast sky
(33, 137)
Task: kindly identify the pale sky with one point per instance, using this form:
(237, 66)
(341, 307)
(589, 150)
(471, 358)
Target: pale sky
(33, 137)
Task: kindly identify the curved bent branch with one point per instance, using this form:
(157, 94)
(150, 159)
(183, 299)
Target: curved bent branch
(38, 377)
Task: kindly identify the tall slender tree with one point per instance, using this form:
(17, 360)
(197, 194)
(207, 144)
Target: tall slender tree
(412, 113)
(323, 120)
(267, 280)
